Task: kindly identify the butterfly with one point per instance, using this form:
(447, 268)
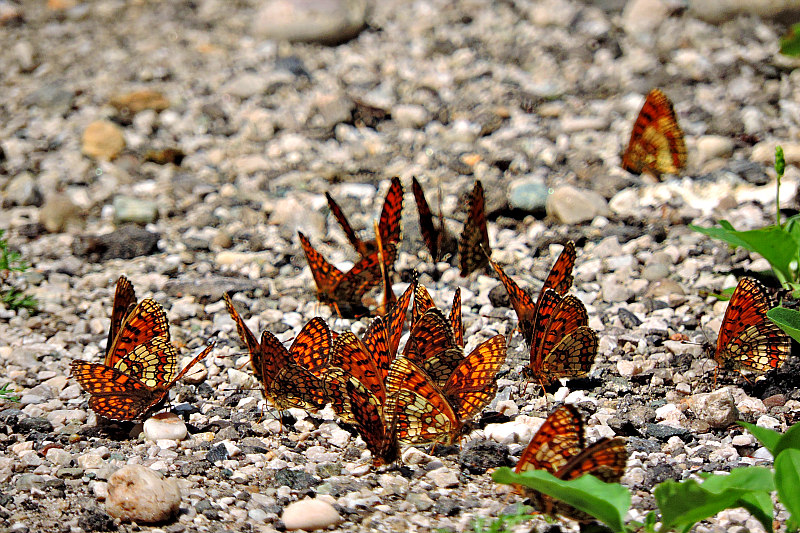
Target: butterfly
(124, 301)
(474, 243)
(559, 279)
(423, 302)
(137, 384)
(389, 225)
(345, 290)
(438, 240)
(747, 338)
(559, 447)
(288, 376)
(656, 145)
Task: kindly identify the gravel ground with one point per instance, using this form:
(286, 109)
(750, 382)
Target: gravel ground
(535, 99)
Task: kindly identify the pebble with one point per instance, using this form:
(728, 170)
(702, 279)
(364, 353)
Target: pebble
(717, 408)
(528, 194)
(129, 209)
(139, 494)
(59, 213)
(315, 21)
(310, 514)
(713, 147)
(23, 190)
(571, 205)
(102, 139)
(138, 101)
(164, 426)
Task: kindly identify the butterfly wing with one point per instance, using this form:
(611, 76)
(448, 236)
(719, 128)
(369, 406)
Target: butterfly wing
(572, 357)
(422, 302)
(124, 301)
(521, 301)
(430, 233)
(338, 214)
(560, 277)
(311, 348)
(376, 342)
(568, 315)
(546, 306)
(248, 338)
(396, 317)
(471, 386)
(430, 343)
(350, 354)
(558, 439)
(389, 225)
(114, 395)
(368, 414)
(455, 318)
(326, 276)
(143, 323)
(154, 363)
(656, 145)
(475, 234)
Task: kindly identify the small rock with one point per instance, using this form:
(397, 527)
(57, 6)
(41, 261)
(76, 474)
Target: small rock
(128, 209)
(310, 514)
(315, 21)
(529, 194)
(415, 456)
(509, 432)
(614, 290)
(722, 10)
(295, 479)
(127, 242)
(139, 494)
(571, 205)
(58, 213)
(421, 501)
(713, 147)
(479, 456)
(246, 86)
(716, 408)
(22, 190)
(59, 456)
(102, 139)
(165, 426)
(217, 453)
(410, 115)
(96, 520)
(642, 16)
(136, 101)
(443, 478)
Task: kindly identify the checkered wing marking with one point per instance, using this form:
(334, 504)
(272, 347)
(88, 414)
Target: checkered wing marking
(363, 276)
(274, 357)
(396, 318)
(521, 301)
(422, 414)
(248, 338)
(474, 243)
(379, 434)
(656, 145)
(572, 357)
(558, 439)
(326, 276)
(390, 224)
(569, 314)
(546, 306)
(472, 384)
(311, 348)
(124, 302)
(455, 318)
(422, 302)
(154, 363)
(350, 354)
(560, 277)
(376, 342)
(146, 321)
(430, 337)
(294, 386)
(114, 395)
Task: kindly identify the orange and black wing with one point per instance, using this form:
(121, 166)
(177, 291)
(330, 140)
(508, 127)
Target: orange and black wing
(430, 337)
(396, 318)
(350, 354)
(572, 356)
(474, 243)
(368, 414)
(472, 385)
(124, 302)
(143, 323)
(154, 362)
(656, 145)
(376, 341)
(311, 348)
(521, 301)
(455, 318)
(114, 395)
(560, 277)
(338, 214)
(326, 276)
(422, 302)
(430, 233)
(559, 439)
(389, 225)
(546, 306)
(248, 338)
(568, 315)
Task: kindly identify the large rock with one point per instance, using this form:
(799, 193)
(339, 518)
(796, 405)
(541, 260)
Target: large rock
(716, 408)
(571, 205)
(310, 514)
(138, 494)
(317, 21)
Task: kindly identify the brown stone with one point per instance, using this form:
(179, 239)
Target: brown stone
(136, 101)
(103, 140)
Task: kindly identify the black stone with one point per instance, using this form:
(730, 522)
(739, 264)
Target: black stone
(34, 424)
(127, 242)
(96, 520)
(295, 479)
(628, 319)
(480, 455)
(217, 453)
(663, 433)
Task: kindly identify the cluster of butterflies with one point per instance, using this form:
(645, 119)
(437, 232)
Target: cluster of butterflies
(432, 390)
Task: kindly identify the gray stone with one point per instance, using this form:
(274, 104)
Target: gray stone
(58, 212)
(571, 205)
(317, 21)
(22, 190)
(129, 209)
(420, 501)
(528, 194)
(246, 86)
(716, 408)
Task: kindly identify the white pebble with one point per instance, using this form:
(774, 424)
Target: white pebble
(310, 514)
(165, 426)
(137, 493)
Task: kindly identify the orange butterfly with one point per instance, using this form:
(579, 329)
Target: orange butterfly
(656, 146)
(389, 225)
(475, 234)
(423, 302)
(559, 447)
(132, 324)
(559, 279)
(438, 240)
(747, 338)
(141, 367)
(345, 290)
(288, 376)
(124, 301)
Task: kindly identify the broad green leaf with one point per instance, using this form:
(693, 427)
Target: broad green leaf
(790, 43)
(607, 502)
(789, 440)
(787, 319)
(759, 504)
(767, 437)
(684, 504)
(787, 479)
(773, 243)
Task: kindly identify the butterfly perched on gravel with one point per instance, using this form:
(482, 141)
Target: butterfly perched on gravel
(288, 376)
(439, 241)
(656, 145)
(389, 224)
(748, 339)
(559, 447)
(141, 366)
(474, 243)
(559, 279)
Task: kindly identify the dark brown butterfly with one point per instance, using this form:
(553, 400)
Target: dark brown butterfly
(439, 241)
(474, 244)
(559, 447)
(656, 145)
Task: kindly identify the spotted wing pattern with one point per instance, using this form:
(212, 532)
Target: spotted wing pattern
(455, 318)
(362, 247)
(143, 323)
(138, 385)
(124, 301)
(521, 301)
(431, 339)
(656, 145)
(559, 448)
(474, 243)
(422, 302)
(472, 384)
(374, 424)
(248, 338)
(395, 319)
(748, 339)
(560, 277)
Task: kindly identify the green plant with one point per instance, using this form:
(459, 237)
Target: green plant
(790, 43)
(11, 261)
(502, 523)
(7, 394)
(681, 504)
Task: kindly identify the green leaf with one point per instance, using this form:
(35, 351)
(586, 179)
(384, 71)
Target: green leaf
(787, 479)
(780, 162)
(775, 244)
(767, 437)
(787, 319)
(607, 502)
(684, 504)
(790, 43)
(789, 440)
